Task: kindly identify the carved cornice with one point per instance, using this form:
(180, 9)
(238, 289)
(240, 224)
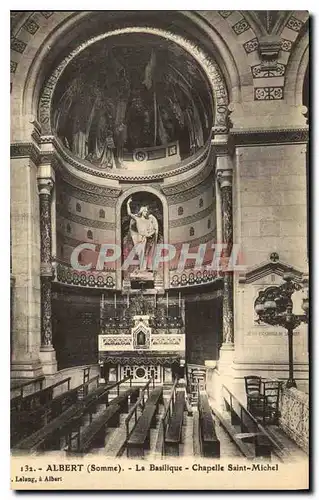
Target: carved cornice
(183, 221)
(85, 186)
(32, 151)
(211, 236)
(106, 201)
(124, 175)
(190, 188)
(84, 221)
(270, 267)
(264, 137)
(25, 150)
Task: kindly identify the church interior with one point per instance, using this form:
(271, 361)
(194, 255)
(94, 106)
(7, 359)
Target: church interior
(159, 247)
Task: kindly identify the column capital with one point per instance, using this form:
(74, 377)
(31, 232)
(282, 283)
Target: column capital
(223, 145)
(46, 270)
(45, 185)
(224, 177)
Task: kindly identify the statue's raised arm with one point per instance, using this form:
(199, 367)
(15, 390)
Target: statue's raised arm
(129, 211)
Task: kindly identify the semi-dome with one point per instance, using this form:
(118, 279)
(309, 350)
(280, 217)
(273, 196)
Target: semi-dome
(132, 101)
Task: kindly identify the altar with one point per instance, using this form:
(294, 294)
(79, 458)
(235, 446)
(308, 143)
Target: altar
(142, 345)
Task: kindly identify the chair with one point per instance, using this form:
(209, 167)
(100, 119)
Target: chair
(271, 390)
(253, 392)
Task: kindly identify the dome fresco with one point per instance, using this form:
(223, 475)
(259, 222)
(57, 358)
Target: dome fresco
(132, 97)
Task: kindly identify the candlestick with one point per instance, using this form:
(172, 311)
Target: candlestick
(127, 300)
(179, 301)
(167, 303)
(102, 302)
(115, 301)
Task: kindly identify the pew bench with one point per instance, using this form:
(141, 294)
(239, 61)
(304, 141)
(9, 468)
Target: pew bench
(49, 436)
(250, 433)
(139, 439)
(26, 422)
(210, 445)
(122, 399)
(173, 436)
(156, 397)
(93, 436)
(38, 398)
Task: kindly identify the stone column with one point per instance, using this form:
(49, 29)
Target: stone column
(47, 352)
(225, 181)
(223, 150)
(25, 261)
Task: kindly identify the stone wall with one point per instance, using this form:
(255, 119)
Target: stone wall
(294, 416)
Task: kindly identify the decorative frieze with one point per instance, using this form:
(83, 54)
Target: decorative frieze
(124, 175)
(256, 137)
(294, 24)
(84, 221)
(268, 93)
(17, 45)
(261, 71)
(251, 45)
(98, 279)
(225, 13)
(31, 26)
(286, 45)
(47, 13)
(241, 26)
(13, 66)
(193, 278)
(154, 342)
(189, 189)
(193, 218)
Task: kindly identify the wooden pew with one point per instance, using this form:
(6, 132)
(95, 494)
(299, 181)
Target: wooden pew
(93, 436)
(50, 436)
(31, 415)
(156, 396)
(139, 439)
(210, 445)
(173, 435)
(16, 401)
(40, 398)
(250, 430)
(122, 399)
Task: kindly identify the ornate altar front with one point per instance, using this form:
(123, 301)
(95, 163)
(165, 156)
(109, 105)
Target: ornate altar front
(149, 344)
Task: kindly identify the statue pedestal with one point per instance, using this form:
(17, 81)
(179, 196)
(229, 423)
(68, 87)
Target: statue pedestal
(142, 279)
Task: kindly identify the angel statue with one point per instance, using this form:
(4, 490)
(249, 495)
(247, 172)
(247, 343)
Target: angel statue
(144, 232)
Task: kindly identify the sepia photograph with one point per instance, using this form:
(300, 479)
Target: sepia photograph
(159, 250)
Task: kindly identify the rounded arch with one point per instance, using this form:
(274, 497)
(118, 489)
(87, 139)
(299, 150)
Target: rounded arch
(46, 45)
(296, 71)
(118, 232)
(209, 66)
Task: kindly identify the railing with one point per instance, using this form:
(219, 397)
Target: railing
(140, 403)
(38, 380)
(43, 396)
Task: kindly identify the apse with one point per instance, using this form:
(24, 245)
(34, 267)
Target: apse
(132, 100)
